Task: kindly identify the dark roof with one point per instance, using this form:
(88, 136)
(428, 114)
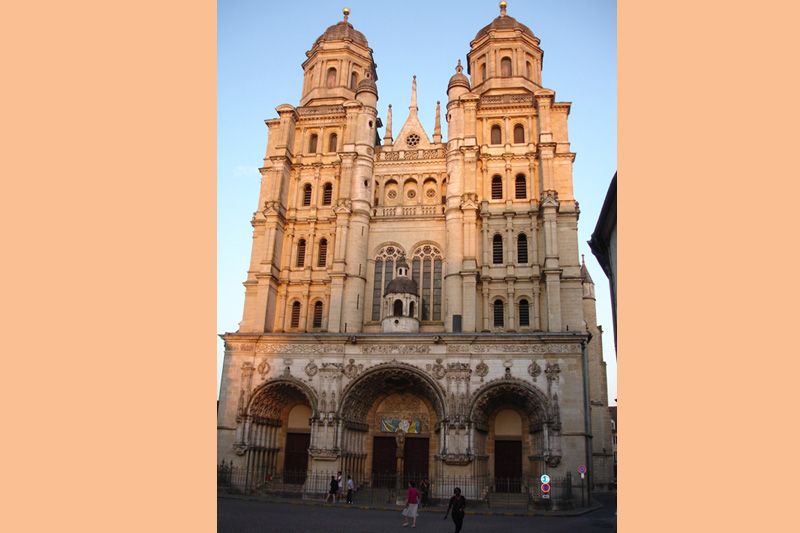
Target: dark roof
(343, 31)
(504, 22)
(402, 284)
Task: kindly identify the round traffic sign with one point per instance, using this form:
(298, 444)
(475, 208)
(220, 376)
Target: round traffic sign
(545, 487)
(582, 469)
(545, 478)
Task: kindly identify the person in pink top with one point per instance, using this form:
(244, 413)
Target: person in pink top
(411, 505)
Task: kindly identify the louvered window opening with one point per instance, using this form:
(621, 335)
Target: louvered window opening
(497, 250)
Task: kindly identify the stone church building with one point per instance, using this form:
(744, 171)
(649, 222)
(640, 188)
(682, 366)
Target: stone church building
(416, 306)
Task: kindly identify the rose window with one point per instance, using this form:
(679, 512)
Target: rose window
(392, 194)
(411, 194)
(430, 193)
(412, 140)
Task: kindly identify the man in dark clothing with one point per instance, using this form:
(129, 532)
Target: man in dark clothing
(333, 491)
(457, 504)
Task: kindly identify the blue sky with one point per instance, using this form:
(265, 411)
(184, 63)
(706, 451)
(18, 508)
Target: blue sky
(261, 46)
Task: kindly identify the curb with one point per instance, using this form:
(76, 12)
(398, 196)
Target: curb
(576, 512)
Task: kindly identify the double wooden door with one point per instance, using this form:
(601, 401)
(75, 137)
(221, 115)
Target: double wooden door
(384, 460)
(295, 463)
(507, 465)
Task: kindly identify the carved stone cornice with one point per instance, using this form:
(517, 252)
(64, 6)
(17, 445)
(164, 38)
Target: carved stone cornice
(396, 349)
(310, 349)
(539, 348)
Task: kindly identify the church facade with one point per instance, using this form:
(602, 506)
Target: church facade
(415, 306)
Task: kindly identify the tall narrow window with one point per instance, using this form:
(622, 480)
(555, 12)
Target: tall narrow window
(426, 269)
(376, 290)
(327, 194)
(307, 195)
(519, 187)
(522, 249)
(519, 134)
(301, 253)
(497, 188)
(353, 81)
(524, 313)
(383, 274)
(529, 70)
(411, 309)
(483, 72)
(330, 81)
(332, 142)
(317, 322)
(505, 67)
(397, 309)
(312, 144)
(497, 250)
(295, 315)
(498, 314)
(322, 260)
(496, 137)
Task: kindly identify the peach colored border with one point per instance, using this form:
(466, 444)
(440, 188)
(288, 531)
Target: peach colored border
(109, 258)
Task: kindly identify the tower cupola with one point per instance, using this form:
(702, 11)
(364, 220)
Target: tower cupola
(401, 302)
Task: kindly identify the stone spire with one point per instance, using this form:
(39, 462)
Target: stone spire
(412, 108)
(437, 127)
(387, 136)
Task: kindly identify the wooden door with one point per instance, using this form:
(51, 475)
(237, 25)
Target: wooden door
(507, 465)
(415, 460)
(384, 462)
(295, 463)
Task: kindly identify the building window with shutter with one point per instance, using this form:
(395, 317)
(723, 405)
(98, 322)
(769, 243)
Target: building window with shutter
(317, 321)
(496, 136)
(524, 313)
(522, 249)
(497, 250)
(295, 323)
(327, 194)
(354, 81)
(301, 253)
(307, 195)
(505, 67)
(323, 253)
(312, 144)
(520, 190)
(519, 134)
(333, 141)
(497, 188)
(330, 81)
(498, 314)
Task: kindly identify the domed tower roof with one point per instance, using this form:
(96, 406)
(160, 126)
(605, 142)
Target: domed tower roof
(402, 284)
(504, 22)
(343, 31)
(459, 78)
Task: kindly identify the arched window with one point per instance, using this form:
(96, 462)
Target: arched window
(330, 81)
(519, 134)
(317, 321)
(505, 67)
(426, 270)
(332, 142)
(529, 70)
(497, 188)
(411, 309)
(301, 253)
(312, 144)
(499, 321)
(522, 249)
(322, 260)
(524, 313)
(397, 308)
(519, 187)
(327, 194)
(353, 81)
(496, 137)
(307, 195)
(384, 272)
(483, 72)
(295, 315)
(497, 250)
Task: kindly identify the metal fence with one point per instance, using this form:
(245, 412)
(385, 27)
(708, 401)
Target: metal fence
(387, 489)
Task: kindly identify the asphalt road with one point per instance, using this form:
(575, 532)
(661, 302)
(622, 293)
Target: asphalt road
(244, 516)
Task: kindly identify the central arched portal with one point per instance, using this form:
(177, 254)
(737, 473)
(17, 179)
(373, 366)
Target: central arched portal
(391, 414)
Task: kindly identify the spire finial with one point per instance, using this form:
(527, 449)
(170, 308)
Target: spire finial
(459, 68)
(387, 136)
(413, 106)
(437, 128)
(346, 12)
(503, 6)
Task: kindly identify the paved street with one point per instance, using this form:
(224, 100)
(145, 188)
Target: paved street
(243, 516)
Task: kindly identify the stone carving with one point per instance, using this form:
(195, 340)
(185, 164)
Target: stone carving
(323, 402)
(482, 369)
(301, 349)
(240, 448)
(321, 110)
(553, 461)
(239, 346)
(549, 198)
(397, 349)
(400, 439)
(352, 370)
(323, 455)
(534, 369)
(333, 402)
(287, 372)
(460, 459)
(263, 368)
(555, 414)
(552, 371)
(514, 348)
(438, 369)
(311, 369)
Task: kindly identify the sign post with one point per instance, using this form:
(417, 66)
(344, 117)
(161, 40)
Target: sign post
(582, 472)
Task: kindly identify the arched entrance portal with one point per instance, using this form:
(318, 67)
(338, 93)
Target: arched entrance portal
(276, 431)
(510, 420)
(392, 414)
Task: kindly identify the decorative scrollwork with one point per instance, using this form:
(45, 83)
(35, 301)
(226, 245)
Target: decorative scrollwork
(534, 370)
(311, 369)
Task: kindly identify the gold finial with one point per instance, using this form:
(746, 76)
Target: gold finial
(503, 6)
(346, 12)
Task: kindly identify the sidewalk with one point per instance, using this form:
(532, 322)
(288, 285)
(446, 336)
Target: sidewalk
(481, 510)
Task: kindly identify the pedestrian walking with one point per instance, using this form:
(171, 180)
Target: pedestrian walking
(333, 490)
(457, 504)
(339, 484)
(349, 489)
(412, 501)
(425, 489)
